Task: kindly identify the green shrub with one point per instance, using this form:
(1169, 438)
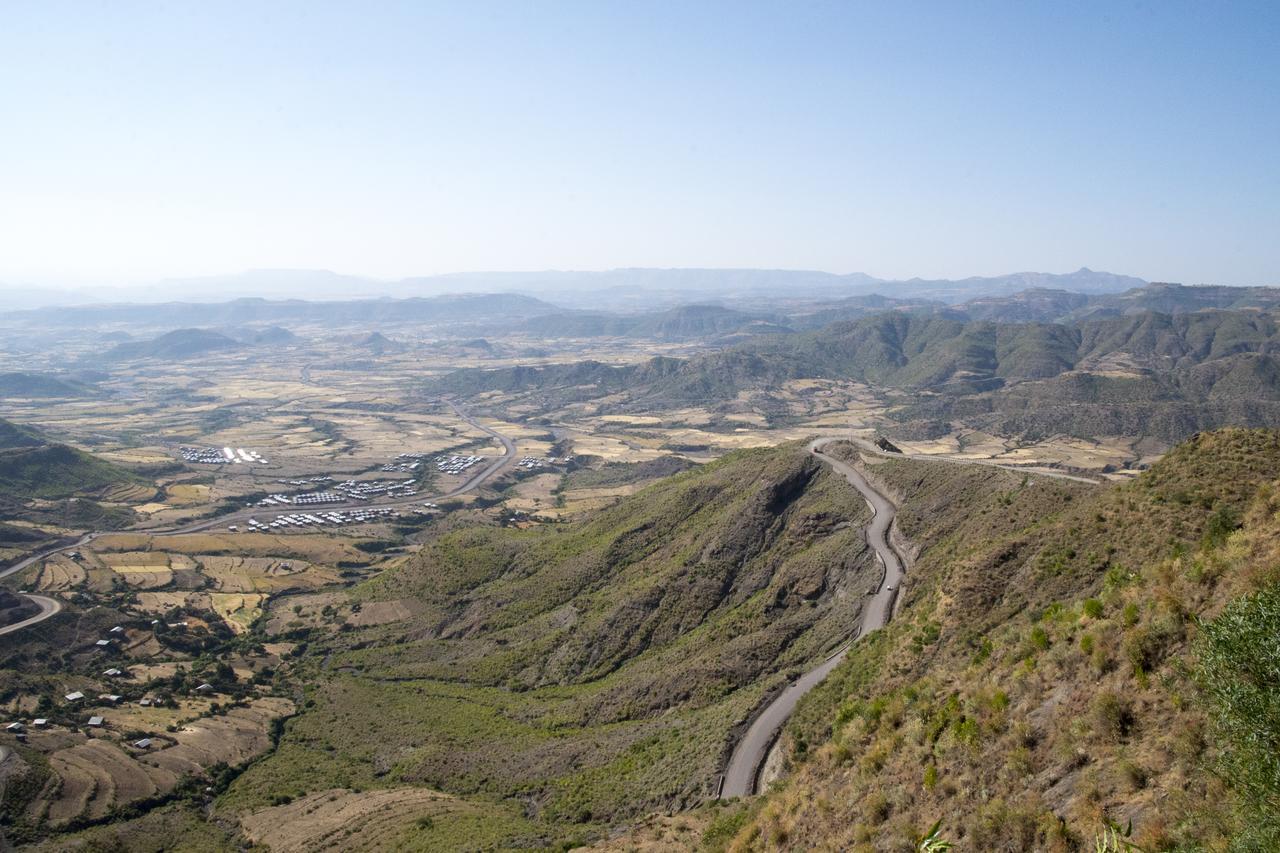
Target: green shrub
(1093, 608)
(1223, 522)
(1238, 667)
(723, 827)
(930, 777)
(1113, 716)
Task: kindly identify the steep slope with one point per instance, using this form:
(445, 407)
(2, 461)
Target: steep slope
(588, 672)
(1038, 681)
(31, 466)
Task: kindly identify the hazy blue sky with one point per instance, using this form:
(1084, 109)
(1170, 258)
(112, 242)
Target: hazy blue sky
(392, 139)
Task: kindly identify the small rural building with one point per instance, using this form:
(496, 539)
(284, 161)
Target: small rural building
(95, 722)
(103, 643)
(74, 697)
(109, 697)
(15, 728)
(146, 703)
(112, 673)
(40, 722)
(145, 743)
(204, 688)
(117, 630)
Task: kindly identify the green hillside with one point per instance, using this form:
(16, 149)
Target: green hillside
(16, 435)
(586, 673)
(34, 385)
(33, 467)
(1058, 665)
(1158, 374)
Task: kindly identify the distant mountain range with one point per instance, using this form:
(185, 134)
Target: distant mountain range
(1049, 305)
(776, 312)
(1150, 373)
(472, 308)
(619, 289)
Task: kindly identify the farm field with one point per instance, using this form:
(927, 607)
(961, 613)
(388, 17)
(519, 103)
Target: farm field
(93, 775)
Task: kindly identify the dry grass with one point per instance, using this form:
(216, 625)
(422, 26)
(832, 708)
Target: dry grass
(341, 820)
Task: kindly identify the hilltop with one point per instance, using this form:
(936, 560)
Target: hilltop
(178, 344)
(379, 344)
(35, 385)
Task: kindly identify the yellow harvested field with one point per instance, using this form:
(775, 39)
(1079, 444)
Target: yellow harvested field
(238, 610)
(60, 572)
(134, 717)
(96, 775)
(612, 449)
(159, 602)
(148, 671)
(264, 574)
(341, 820)
(182, 494)
(648, 420)
(312, 547)
(534, 493)
(232, 738)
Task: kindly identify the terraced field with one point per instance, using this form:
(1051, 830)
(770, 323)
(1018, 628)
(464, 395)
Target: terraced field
(93, 776)
(389, 819)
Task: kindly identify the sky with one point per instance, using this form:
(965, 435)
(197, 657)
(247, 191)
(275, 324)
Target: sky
(144, 140)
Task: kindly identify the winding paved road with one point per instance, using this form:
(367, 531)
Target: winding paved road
(50, 606)
(743, 771)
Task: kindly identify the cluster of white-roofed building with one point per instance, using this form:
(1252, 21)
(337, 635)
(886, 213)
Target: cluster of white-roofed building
(221, 456)
(319, 518)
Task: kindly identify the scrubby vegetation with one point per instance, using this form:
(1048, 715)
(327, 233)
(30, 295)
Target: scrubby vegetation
(1064, 689)
(587, 673)
(1157, 374)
